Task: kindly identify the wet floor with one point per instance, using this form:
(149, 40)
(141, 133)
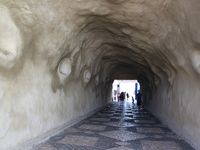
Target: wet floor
(119, 126)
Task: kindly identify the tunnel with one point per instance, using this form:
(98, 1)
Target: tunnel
(59, 58)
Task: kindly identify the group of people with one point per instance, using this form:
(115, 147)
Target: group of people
(138, 97)
(122, 96)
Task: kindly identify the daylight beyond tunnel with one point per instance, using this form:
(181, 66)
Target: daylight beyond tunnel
(59, 58)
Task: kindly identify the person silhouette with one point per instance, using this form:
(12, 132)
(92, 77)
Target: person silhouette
(139, 99)
(127, 95)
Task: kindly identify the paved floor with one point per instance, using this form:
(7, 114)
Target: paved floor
(119, 126)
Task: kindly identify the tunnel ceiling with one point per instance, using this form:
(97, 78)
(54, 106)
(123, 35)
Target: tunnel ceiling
(126, 42)
(142, 39)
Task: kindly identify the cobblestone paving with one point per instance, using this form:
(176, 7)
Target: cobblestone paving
(119, 126)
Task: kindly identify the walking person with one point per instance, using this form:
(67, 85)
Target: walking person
(127, 95)
(139, 99)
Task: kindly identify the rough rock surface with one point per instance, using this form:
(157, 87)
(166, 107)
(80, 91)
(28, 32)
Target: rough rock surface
(58, 59)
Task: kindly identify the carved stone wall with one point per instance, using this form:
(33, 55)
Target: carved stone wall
(58, 59)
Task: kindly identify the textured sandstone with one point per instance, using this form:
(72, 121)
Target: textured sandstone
(58, 59)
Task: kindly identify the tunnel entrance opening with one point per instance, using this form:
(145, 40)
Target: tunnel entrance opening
(126, 88)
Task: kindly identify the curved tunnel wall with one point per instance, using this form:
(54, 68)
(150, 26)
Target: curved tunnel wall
(58, 60)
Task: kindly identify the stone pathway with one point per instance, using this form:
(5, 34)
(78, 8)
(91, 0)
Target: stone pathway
(119, 126)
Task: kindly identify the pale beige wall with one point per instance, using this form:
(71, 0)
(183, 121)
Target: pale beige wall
(58, 59)
(42, 85)
(177, 105)
(29, 106)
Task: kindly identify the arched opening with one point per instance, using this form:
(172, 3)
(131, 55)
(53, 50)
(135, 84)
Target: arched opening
(129, 87)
